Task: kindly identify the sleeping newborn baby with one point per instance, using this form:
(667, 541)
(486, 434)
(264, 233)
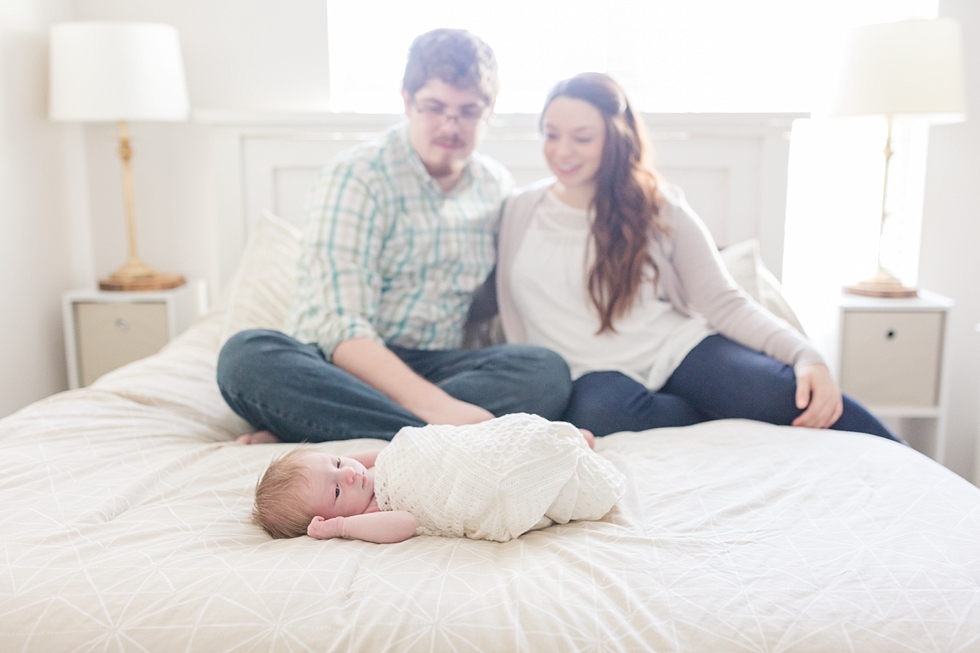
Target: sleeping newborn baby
(493, 481)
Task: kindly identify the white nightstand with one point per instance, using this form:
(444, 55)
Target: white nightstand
(105, 330)
(890, 358)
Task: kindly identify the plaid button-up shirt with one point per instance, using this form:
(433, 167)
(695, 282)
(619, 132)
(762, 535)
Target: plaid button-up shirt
(388, 255)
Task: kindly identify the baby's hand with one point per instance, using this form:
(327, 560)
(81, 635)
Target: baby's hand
(325, 529)
(587, 434)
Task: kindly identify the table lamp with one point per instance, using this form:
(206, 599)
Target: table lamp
(908, 68)
(118, 72)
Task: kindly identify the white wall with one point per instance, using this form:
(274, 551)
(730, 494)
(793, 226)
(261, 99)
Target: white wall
(950, 254)
(44, 236)
(260, 55)
(254, 54)
(62, 221)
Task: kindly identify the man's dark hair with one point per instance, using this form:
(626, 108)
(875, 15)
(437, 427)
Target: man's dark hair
(455, 56)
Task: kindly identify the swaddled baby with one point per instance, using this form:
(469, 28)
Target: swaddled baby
(494, 480)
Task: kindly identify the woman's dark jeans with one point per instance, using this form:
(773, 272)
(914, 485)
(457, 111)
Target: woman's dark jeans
(718, 379)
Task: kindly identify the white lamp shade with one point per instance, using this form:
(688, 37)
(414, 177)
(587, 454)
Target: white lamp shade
(110, 71)
(907, 67)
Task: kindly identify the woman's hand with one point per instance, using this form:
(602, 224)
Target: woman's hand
(817, 391)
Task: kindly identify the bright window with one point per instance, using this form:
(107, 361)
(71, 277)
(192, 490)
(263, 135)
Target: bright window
(670, 55)
(690, 56)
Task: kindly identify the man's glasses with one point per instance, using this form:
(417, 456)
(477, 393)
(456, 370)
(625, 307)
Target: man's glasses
(436, 113)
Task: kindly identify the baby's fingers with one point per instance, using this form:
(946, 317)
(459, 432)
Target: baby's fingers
(316, 527)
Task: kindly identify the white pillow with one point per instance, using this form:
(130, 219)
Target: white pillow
(263, 285)
(745, 264)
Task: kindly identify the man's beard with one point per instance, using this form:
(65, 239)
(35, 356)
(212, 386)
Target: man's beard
(445, 167)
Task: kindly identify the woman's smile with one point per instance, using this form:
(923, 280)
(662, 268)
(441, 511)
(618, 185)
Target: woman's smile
(574, 136)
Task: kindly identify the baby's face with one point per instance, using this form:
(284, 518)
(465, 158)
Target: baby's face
(338, 486)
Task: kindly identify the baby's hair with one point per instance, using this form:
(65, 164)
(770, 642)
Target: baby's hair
(279, 505)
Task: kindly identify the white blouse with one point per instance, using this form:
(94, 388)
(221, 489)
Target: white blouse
(549, 285)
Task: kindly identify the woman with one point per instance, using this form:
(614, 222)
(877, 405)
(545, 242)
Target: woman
(607, 265)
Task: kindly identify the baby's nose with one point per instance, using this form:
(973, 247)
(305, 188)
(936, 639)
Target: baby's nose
(351, 475)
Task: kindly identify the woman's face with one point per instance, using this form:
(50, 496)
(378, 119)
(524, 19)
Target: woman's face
(574, 135)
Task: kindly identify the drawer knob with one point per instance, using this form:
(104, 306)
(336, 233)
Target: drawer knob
(122, 324)
(890, 334)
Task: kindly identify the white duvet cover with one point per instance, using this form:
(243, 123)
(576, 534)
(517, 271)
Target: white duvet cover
(124, 526)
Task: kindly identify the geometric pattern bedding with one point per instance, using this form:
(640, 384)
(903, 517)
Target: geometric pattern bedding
(125, 527)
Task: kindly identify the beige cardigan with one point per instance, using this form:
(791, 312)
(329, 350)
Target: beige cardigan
(692, 278)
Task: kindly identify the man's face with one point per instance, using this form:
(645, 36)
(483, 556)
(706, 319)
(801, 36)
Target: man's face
(445, 124)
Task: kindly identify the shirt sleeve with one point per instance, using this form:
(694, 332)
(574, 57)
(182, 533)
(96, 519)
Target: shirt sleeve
(716, 296)
(339, 280)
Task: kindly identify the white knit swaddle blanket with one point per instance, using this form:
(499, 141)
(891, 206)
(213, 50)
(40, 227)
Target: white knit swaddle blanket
(495, 480)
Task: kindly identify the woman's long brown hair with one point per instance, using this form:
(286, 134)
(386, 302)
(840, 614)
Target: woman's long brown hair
(627, 198)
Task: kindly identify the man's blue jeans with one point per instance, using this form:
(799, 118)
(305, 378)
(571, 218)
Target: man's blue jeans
(718, 379)
(281, 385)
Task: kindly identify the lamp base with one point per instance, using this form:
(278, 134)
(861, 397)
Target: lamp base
(155, 282)
(881, 284)
(136, 275)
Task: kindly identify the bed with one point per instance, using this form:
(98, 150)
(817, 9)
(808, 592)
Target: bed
(125, 527)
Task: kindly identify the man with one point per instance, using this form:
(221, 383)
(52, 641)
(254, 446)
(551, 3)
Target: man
(399, 234)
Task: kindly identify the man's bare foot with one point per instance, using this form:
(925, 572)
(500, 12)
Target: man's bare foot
(259, 437)
(587, 434)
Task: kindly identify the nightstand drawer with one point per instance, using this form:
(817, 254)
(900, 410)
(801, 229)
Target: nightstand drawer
(892, 358)
(113, 334)
(105, 329)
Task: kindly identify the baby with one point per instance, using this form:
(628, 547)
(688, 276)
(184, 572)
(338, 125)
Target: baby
(325, 496)
(493, 480)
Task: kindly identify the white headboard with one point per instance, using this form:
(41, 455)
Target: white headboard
(732, 167)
